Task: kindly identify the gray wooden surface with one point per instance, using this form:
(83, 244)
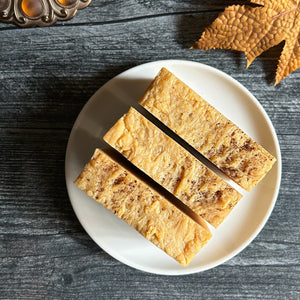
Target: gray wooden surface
(46, 76)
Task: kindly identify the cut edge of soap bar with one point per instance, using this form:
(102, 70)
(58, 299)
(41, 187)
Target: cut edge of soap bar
(208, 131)
(141, 207)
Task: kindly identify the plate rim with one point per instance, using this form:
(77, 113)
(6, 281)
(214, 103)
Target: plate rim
(242, 246)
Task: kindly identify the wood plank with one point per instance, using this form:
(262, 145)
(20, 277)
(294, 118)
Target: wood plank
(100, 12)
(45, 250)
(54, 83)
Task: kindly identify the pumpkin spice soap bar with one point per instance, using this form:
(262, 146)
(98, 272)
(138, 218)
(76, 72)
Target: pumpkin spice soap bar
(143, 208)
(173, 167)
(207, 130)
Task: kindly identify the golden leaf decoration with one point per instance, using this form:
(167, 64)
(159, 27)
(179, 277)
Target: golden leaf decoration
(256, 29)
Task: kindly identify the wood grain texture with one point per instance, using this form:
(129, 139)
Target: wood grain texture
(46, 76)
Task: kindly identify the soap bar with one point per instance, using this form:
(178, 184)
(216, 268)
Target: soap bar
(140, 206)
(207, 130)
(173, 167)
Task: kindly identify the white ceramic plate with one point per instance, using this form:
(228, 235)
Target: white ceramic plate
(108, 104)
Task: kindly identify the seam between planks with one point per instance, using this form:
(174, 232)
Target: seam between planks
(120, 21)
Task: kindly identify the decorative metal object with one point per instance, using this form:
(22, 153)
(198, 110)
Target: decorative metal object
(29, 13)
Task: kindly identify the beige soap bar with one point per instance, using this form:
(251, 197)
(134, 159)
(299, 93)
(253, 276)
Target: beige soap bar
(141, 207)
(207, 130)
(169, 164)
